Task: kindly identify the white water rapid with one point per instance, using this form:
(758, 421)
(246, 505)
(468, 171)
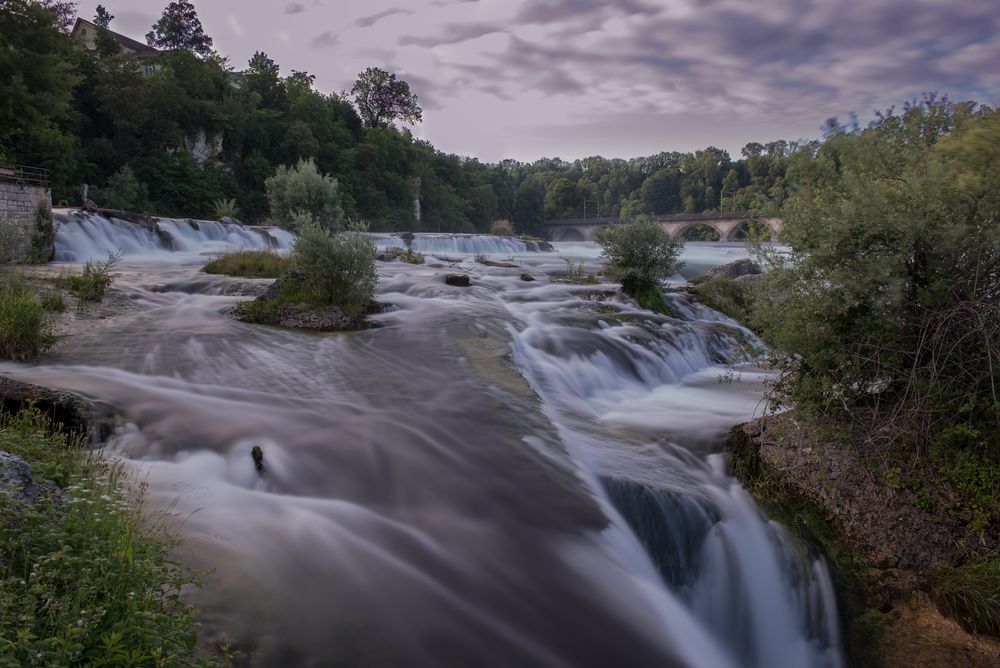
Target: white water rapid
(512, 474)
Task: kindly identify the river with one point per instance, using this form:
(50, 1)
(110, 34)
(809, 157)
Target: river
(512, 474)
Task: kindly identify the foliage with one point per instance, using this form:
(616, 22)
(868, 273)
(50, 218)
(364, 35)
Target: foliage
(179, 28)
(123, 192)
(407, 255)
(971, 593)
(726, 296)
(249, 264)
(501, 228)
(23, 323)
(890, 296)
(575, 273)
(640, 255)
(382, 99)
(42, 235)
(335, 269)
(303, 190)
(225, 208)
(93, 283)
(85, 578)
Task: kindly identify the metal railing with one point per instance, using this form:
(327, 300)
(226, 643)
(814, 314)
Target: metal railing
(29, 176)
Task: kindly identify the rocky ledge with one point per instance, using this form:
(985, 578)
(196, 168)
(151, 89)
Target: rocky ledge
(885, 550)
(72, 412)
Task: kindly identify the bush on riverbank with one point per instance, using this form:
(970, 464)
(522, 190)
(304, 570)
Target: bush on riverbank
(640, 255)
(890, 295)
(85, 579)
(302, 189)
(249, 264)
(23, 322)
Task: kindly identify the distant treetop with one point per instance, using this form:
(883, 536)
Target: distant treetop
(180, 29)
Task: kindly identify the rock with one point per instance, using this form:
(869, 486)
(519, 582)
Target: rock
(386, 257)
(459, 280)
(747, 279)
(228, 220)
(71, 411)
(527, 277)
(16, 480)
(734, 269)
(406, 236)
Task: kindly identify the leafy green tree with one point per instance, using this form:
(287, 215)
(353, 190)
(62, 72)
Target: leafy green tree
(180, 29)
(304, 189)
(640, 255)
(891, 294)
(383, 99)
(336, 269)
(123, 191)
(102, 17)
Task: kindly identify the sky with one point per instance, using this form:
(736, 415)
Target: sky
(526, 79)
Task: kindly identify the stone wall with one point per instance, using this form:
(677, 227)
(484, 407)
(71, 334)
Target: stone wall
(18, 205)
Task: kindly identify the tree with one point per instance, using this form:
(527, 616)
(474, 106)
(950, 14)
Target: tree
(640, 255)
(890, 296)
(179, 29)
(303, 189)
(102, 17)
(382, 99)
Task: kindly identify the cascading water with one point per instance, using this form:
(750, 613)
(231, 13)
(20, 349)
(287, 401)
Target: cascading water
(422, 504)
(87, 236)
(461, 244)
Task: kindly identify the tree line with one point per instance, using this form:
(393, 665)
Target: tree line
(194, 130)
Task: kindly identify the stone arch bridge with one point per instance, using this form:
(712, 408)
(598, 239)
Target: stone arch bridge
(727, 225)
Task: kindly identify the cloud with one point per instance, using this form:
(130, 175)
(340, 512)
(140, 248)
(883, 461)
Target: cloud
(325, 39)
(294, 8)
(369, 21)
(453, 34)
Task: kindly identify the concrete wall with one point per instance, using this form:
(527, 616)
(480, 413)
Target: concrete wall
(18, 204)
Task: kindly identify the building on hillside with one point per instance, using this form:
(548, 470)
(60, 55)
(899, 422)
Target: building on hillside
(86, 31)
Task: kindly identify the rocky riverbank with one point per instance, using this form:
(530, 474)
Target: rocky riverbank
(889, 546)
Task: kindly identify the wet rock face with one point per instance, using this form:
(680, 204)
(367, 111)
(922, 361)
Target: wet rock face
(734, 269)
(71, 411)
(458, 280)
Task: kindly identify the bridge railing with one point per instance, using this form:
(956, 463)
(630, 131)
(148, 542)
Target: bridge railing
(29, 176)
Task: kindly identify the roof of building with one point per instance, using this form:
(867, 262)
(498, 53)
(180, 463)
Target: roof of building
(137, 48)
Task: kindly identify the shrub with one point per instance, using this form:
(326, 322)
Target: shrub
(640, 255)
(407, 255)
(224, 208)
(85, 578)
(249, 264)
(42, 236)
(890, 295)
(335, 269)
(93, 283)
(23, 324)
(726, 296)
(303, 189)
(502, 228)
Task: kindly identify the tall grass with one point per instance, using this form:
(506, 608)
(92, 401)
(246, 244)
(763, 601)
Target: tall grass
(85, 578)
(23, 322)
(249, 264)
(971, 593)
(93, 283)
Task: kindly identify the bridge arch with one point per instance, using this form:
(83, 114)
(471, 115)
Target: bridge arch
(568, 234)
(698, 230)
(752, 226)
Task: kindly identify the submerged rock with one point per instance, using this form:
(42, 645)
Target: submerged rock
(458, 280)
(527, 277)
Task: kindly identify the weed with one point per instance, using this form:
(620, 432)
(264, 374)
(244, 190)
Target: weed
(93, 283)
(249, 264)
(971, 593)
(23, 324)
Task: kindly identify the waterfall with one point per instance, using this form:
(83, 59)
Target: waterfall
(81, 236)
(464, 244)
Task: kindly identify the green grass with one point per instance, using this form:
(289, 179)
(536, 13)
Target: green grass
(249, 264)
(93, 283)
(407, 255)
(24, 323)
(85, 578)
(971, 594)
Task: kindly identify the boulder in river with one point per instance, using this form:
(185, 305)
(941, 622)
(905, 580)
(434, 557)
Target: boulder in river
(733, 270)
(459, 280)
(527, 277)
